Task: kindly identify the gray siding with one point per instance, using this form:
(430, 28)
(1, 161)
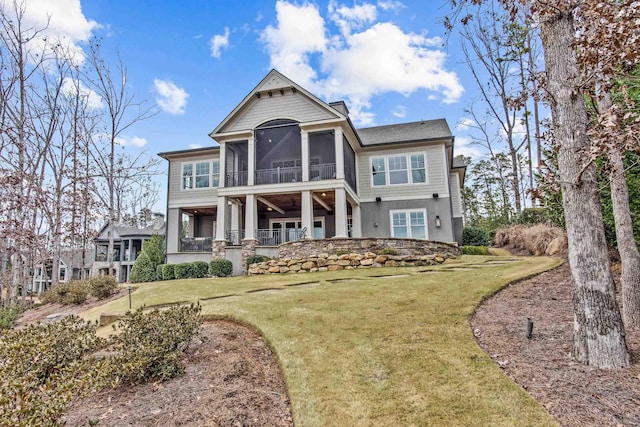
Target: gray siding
(376, 219)
(172, 236)
(456, 195)
(290, 105)
(436, 165)
(195, 197)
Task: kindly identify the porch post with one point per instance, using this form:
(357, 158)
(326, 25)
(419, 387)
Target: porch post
(221, 226)
(304, 136)
(235, 218)
(222, 182)
(251, 213)
(339, 150)
(307, 213)
(340, 213)
(356, 224)
(251, 148)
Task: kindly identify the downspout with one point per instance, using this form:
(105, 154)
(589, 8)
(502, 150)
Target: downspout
(453, 229)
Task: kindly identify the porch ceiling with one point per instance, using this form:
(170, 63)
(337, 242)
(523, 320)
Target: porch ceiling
(200, 211)
(294, 201)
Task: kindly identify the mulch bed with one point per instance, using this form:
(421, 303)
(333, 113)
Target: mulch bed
(232, 379)
(574, 394)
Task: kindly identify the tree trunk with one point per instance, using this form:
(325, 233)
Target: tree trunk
(599, 337)
(629, 255)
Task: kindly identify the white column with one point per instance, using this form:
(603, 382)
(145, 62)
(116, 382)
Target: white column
(340, 213)
(221, 226)
(251, 147)
(223, 165)
(356, 223)
(339, 153)
(235, 216)
(307, 213)
(304, 136)
(251, 214)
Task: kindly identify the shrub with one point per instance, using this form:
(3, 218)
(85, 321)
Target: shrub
(149, 344)
(102, 287)
(475, 250)
(220, 268)
(475, 236)
(73, 292)
(154, 248)
(167, 272)
(159, 271)
(44, 368)
(538, 239)
(387, 251)
(9, 315)
(199, 269)
(143, 269)
(255, 259)
(183, 270)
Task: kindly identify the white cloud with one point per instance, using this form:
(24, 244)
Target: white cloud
(193, 146)
(390, 5)
(300, 33)
(465, 123)
(133, 141)
(63, 23)
(464, 145)
(219, 42)
(171, 98)
(399, 111)
(361, 60)
(71, 88)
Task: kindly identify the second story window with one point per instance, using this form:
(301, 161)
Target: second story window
(200, 174)
(398, 169)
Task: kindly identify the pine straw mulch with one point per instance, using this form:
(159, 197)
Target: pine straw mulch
(574, 394)
(232, 379)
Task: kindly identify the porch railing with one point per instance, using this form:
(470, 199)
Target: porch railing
(234, 237)
(320, 172)
(235, 179)
(278, 175)
(196, 244)
(268, 237)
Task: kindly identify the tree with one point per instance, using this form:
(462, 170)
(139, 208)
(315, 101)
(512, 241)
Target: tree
(599, 336)
(152, 255)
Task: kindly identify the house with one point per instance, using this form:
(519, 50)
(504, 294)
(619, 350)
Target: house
(71, 264)
(289, 165)
(128, 241)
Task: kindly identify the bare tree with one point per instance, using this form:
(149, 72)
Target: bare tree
(122, 112)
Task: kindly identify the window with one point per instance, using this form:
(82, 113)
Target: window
(409, 224)
(399, 170)
(201, 174)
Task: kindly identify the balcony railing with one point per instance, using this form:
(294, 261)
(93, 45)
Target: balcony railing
(268, 237)
(235, 179)
(320, 172)
(196, 244)
(234, 237)
(278, 175)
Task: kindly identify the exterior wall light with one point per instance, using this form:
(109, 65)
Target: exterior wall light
(438, 222)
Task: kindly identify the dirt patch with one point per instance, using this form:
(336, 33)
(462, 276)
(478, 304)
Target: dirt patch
(575, 394)
(232, 379)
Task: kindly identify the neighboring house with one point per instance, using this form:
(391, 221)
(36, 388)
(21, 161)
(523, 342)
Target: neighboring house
(71, 266)
(127, 246)
(289, 165)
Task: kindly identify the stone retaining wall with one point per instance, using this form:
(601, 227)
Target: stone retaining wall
(328, 255)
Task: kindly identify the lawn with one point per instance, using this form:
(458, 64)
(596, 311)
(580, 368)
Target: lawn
(382, 347)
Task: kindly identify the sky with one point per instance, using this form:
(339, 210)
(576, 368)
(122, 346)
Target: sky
(389, 60)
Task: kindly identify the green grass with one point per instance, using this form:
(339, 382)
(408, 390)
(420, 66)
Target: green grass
(382, 351)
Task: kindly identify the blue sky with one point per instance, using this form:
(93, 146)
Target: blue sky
(198, 59)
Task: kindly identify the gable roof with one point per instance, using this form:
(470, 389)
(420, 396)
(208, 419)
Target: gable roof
(424, 130)
(274, 81)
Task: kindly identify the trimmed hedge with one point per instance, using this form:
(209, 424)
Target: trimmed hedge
(475, 236)
(200, 269)
(159, 271)
(475, 250)
(183, 270)
(102, 287)
(220, 268)
(144, 270)
(167, 272)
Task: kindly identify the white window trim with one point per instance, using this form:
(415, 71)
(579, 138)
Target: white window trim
(194, 175)
(409, 169)
(407, 213)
